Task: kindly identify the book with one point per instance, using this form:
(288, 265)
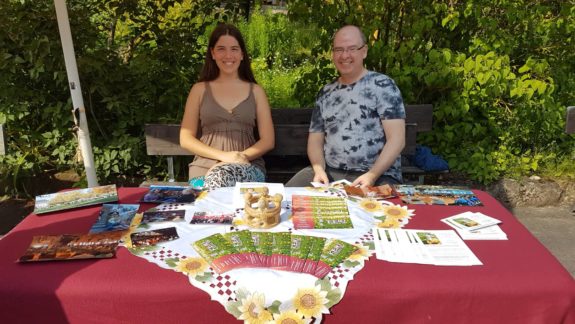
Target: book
(114, 217)
(153, 237)
(72, 247)
(170, 194)
(437, 195)
(75, 198)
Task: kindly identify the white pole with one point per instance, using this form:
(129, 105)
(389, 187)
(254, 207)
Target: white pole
(76, 92)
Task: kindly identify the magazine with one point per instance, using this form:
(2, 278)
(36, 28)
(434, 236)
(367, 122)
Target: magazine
(170, 194)
(75, 198)
(72, 247)
(114, 217)
(437, 195)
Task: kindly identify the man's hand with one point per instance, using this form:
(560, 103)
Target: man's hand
(365, 180)
(234, 157)
(320, 176)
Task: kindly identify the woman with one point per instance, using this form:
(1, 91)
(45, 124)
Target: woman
(224, 107)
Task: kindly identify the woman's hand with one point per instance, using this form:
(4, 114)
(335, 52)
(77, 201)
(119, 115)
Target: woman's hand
(234, 157)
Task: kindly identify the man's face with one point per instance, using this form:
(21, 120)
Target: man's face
(348, 52)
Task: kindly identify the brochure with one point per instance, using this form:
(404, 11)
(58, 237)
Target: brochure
(219, 253)
(437, 195)
(320, 212)
(154, 237)
(242, 242)
(114, 217)
(334, 252)
(170, 194)
(470, 221)
(443, 247)
(75, 198)
(72, 247)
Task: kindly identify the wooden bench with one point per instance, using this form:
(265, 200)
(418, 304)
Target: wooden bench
(291, 131)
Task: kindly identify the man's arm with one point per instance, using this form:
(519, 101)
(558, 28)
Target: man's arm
(315, 143)
(394, 130)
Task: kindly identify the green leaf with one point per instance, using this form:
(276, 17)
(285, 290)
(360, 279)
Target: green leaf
(274, 308)
(333, 297)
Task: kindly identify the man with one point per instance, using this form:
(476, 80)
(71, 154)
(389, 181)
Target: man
(357, 131)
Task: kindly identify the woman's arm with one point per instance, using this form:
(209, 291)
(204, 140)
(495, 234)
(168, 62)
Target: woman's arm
(190, 126)
(265, 126)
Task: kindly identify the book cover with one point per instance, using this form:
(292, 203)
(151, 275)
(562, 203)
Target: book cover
(114, 217)
(75, 198)
(437, 195)
(153, 237)
(72, 247)
(170, 194)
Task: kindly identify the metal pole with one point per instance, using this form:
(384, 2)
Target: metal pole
(76, 92)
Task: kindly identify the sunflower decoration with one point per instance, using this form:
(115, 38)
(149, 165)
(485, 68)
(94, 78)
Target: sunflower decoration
(389, 223)
(396, 211)
(290, 317)
(310, 302)
(253, 309)
(370, 205)
(361, 253)
(192, 266)
(239, 222)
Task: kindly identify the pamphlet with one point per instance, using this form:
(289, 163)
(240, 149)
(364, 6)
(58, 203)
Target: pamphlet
(320, 212)
(443, 247)
(72, 246)
(470, 221)
(219, 253)
(75, 198)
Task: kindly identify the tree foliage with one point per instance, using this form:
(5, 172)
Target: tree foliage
(499, 74)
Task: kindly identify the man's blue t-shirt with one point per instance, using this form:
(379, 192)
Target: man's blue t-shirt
(350, 116)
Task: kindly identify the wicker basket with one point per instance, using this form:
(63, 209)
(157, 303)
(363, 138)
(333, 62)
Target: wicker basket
(262, 210)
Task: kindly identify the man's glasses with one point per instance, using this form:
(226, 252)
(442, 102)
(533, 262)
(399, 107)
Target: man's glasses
(350, 50)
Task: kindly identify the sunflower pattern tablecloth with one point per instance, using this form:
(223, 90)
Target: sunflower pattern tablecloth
(259, 295)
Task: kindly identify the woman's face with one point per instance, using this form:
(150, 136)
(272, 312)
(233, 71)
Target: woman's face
(228, 54)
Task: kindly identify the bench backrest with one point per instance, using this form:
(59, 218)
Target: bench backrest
(291, 131)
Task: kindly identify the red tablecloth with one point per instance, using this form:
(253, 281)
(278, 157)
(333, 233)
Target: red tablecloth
(519, 281)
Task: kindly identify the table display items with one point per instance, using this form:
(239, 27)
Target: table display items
(297, 253)
(320, 212)
(437, 247)
(114, 217)
(262, 210)
(476, 226)
(437, 195)
(170, 194)
(153, 237)
(385, 191)
(72, 247)
(75, 198)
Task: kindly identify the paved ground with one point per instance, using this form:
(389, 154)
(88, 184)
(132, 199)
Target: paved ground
(554, 227)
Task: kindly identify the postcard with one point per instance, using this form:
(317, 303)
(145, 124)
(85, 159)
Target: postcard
(170, 194)
(385, 191)
(153, 215)
(203, 217)
(154, 237)
(75, 198)
(437, 195)
(114, 217)
(72, 247)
